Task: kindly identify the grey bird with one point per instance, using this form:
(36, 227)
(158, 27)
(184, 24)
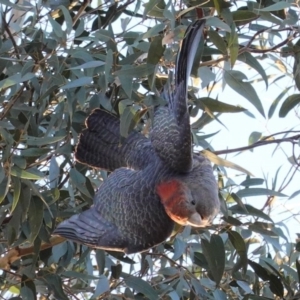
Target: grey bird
(154, 182)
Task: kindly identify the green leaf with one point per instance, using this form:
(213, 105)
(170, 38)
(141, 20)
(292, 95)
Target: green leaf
(35, 217)
(251, 211)
(68, 18)
(276, 101)
(136, 71)
(214, 252)
(53, 173)
(250, 192)
(218, 41)
(152, 9)
(56, 27)
(217, 23)
(289, 103)
(295, 194)
(217, 6)
(200, 260)
(154, 31)
(129, 119)
(131, 37)
(89, 64)
(254, 137)
(233, 221)
(218, 106)
(250, 60)
(15, 79)
(252, 181)
(54, 283)
(179, 248)
(28, 290)
(275, 283)
(82, 81)
(141, 286)
(108, 66)
(242, 17)
(223, 162)
(259, 270)
(2, 173)
(103, 35)
(235, 79)
(239, 244)
(24, 7)
(34, 141)
(296, 68)
(298, 269)
(155, 53)
(277, 6)
(17, 191)
(102, 286)
(79, 181)
(34, 152)
(169, 271)
(74, 274)
(127, 84)
(239, 202)
(233, 45)
(27, 174)
(4, 187)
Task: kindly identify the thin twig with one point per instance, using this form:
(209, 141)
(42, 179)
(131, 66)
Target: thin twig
(292, 140)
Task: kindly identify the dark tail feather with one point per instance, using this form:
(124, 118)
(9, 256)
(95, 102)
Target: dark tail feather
(81, 228)
(99, 144)
(186, 55)
(89, 228)
(184, 63)
(171, 134)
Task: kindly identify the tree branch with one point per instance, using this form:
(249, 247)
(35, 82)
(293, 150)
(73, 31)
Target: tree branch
(265, 141)
(18, 252)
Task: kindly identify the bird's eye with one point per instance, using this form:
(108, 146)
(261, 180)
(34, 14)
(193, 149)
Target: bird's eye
(193, 202)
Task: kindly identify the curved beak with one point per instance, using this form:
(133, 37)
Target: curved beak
(196, 220)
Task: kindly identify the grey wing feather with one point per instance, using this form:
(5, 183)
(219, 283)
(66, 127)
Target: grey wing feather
(99, 144)
(171, 136)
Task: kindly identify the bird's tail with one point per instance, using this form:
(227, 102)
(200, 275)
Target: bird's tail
(89, 228)
(99, 144)
(171, 133)
(82, 228)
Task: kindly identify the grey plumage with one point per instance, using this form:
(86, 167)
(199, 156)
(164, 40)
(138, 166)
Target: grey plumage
(154, 182)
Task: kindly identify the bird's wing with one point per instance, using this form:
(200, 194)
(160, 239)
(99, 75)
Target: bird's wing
(124, 217)
(171, 136)
(99, 144)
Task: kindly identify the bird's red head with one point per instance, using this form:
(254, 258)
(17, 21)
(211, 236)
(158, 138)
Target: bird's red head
(178, 204)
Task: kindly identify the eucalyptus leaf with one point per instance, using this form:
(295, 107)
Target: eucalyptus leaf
(235, 79)
(250, 192)
(289, 103)
(78, 83)
(35, 218)
(89, 64)
(141, 286)
(276, 6)
(214, 253)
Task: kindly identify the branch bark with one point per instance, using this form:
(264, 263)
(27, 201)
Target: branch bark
(18, 252)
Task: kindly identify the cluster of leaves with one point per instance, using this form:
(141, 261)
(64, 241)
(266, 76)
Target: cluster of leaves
(58, 62)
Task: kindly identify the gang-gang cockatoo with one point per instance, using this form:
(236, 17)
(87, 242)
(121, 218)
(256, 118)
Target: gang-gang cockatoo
(155, 181)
